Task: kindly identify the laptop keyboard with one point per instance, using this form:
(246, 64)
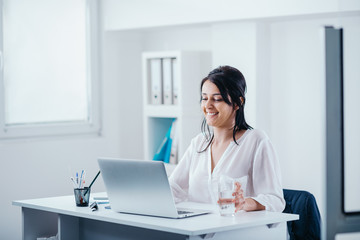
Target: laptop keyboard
(183, 212)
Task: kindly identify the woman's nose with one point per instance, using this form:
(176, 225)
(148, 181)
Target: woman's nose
(208, 104)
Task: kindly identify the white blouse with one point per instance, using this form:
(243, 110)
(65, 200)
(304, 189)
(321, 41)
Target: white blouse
(254, 157)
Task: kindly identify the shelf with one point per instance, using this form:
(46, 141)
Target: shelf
(162, 111)
(187, 69)
(163, 54)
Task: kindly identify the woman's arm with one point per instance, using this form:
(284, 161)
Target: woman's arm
(246, 204)
(252, 205)
(179, 178)
(266, 176)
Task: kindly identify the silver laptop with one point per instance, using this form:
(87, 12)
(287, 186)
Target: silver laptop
(141, 187)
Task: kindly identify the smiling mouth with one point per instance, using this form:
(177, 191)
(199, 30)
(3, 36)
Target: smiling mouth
(212, 114)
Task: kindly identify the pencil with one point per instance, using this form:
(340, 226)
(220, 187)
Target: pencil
(92, 183)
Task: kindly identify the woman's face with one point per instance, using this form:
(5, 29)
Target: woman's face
(217, 112)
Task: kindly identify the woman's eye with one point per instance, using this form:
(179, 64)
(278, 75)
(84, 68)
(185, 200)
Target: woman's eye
(203, 99)
(218, 100)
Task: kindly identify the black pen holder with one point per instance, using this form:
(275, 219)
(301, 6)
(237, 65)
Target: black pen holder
(82, 196)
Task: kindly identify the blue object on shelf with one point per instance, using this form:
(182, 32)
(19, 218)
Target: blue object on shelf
(164, 151)
(161, 153)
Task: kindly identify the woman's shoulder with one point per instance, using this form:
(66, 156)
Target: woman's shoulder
(199, 139)
(256, 134)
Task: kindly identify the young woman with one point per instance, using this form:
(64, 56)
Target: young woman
(228, 146)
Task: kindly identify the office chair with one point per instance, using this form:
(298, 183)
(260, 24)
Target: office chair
(304, 204)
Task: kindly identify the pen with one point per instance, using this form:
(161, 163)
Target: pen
(73, 181)
(84, 177)
(77, 178)
(80, 183)
(92, 183)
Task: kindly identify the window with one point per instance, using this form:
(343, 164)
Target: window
(49, 68)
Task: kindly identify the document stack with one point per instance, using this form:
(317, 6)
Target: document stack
(164, 81)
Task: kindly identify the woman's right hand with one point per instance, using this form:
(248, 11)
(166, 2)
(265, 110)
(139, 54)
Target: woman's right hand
(239, 197)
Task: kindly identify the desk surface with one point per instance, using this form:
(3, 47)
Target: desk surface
(198, 225)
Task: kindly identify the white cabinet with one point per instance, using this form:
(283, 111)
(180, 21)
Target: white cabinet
(190, 68)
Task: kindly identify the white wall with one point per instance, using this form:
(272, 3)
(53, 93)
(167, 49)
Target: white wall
(122, 74)
(135, 14)
(235, 44)
(297, 103)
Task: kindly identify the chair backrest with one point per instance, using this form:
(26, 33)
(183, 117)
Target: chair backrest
(304, 204)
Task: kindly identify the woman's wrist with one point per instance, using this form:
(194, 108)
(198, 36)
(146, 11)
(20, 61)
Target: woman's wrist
(252, 205)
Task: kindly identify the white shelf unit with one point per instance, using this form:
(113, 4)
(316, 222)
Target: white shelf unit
(191, 68)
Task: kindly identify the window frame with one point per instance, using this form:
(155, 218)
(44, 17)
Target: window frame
(92, 125)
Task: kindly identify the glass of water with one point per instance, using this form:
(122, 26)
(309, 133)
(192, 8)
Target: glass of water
(226, 187)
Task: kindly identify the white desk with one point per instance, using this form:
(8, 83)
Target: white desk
(48, 216)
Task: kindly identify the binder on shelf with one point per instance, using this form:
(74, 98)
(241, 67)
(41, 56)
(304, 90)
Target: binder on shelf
(156, 81)
(175, 80)
(167, 81)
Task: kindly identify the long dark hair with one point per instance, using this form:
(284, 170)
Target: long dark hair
(232, 86)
